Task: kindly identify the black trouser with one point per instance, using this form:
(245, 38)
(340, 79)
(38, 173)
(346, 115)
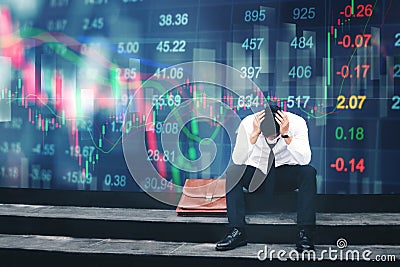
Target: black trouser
(280, 179)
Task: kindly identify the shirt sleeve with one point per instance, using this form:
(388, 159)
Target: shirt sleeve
(300, 146)
(243, 147)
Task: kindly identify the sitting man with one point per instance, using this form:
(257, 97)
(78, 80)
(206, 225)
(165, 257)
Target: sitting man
(272, 152)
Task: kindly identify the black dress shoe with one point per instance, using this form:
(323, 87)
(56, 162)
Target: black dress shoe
(233, 239)
(305, 241)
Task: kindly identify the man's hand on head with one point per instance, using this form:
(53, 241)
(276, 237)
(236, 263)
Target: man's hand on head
(258, 119)
(283, 120)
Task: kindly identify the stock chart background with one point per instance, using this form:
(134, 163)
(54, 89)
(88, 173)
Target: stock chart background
(71, 76)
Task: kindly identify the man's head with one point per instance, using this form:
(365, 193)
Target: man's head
(269, 127)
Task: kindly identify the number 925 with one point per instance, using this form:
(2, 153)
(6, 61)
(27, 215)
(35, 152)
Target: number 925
(304, 13)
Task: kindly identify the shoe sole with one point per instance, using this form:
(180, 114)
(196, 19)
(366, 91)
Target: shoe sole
(241, 244)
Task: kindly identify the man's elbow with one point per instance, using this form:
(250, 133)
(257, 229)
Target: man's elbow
(305, 159)
(302, 158)
(237, 160)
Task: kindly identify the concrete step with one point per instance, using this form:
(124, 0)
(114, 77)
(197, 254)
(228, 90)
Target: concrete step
(110, 252)
(164, 225)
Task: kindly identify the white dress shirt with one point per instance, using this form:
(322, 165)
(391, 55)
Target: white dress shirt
(298, 152)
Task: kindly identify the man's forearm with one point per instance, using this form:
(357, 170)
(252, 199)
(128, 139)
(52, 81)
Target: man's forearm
(288, 140)
(254, 137)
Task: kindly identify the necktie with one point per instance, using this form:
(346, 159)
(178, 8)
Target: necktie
(271, 157)
(257, 180)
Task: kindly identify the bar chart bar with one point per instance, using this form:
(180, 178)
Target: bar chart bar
(5, 86)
